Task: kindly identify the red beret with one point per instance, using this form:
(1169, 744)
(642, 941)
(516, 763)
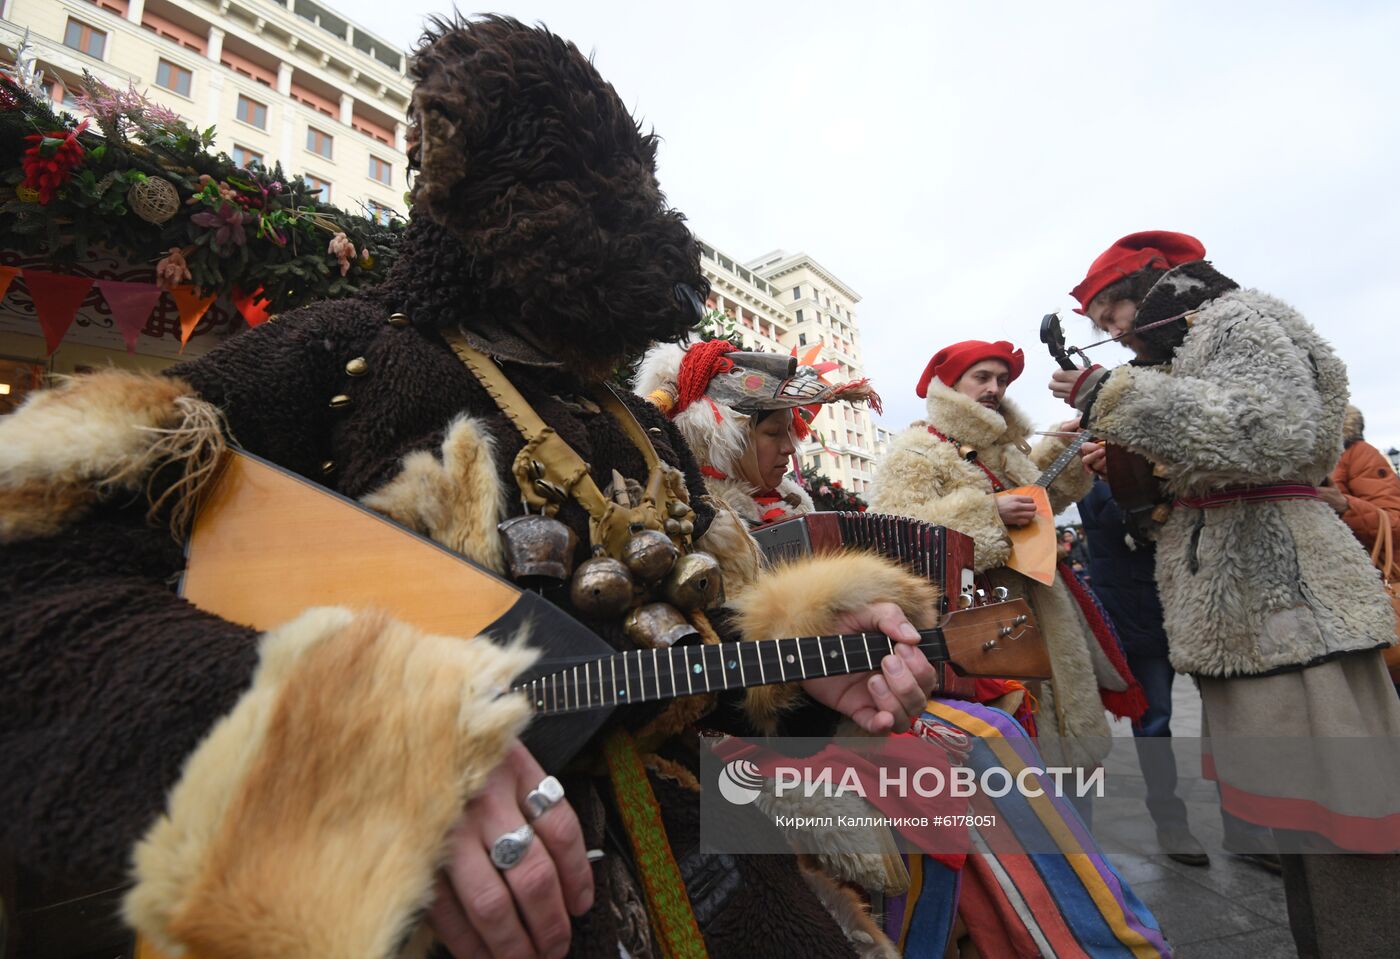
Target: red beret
(1155, 248)
(951, 362)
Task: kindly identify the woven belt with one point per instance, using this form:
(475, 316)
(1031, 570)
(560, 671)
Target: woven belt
(1230, 495)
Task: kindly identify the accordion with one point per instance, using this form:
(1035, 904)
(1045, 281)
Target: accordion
(937, 553)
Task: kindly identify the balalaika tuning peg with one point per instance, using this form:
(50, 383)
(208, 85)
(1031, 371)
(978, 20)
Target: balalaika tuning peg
(981, 596)
(1001, 594)
(965, 600)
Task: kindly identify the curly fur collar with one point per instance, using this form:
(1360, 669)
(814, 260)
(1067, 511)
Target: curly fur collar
(971, 423)
(739, 497)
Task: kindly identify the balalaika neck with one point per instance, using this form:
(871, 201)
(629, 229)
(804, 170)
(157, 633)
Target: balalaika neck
(649, 674)
(1064, 459)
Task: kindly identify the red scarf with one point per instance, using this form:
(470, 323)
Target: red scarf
(776, 506)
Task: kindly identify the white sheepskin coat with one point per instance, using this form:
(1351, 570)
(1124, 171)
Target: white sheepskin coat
(927, 478)
(1253, 396)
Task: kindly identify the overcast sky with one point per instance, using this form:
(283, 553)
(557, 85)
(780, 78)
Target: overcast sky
(960, 164)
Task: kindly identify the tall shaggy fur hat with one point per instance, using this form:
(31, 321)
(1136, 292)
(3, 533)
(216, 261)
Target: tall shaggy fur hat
(536, 204)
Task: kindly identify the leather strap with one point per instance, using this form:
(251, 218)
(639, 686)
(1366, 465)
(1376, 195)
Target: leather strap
(1269, 493)
(548, 471)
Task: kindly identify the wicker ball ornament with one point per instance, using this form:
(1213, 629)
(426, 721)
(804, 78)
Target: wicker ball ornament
(153, 199)
(26, 194)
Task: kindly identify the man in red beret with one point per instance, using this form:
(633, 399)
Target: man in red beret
(947, 470)
(1269, 602)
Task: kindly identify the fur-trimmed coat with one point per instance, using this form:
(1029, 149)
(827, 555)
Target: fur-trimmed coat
(738, 496)
(116, 689)
(1253, 396)
(929, 478)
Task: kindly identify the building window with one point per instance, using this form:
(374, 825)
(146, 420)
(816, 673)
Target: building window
(380, 170)
(318, 142)
(379, 213)
(799, 316)
(802, 339)
(252, 112)
(322, 188)
(797, 292)
(85, 39)
(244, 157)
(816, 463)
(62, 96)
(174, 78)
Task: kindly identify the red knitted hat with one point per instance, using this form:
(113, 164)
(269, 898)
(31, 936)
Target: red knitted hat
(953, 361)
(1137, 251)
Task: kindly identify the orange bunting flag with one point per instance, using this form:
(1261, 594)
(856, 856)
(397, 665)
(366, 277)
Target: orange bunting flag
(7, 276)
(253, 306)
(131, 305)
(192, 308)
(57, 297)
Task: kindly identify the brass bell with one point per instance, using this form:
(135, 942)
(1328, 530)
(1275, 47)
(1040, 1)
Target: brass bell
(695, 582)
(650, 554)
(678, 510)
(657, 625)
(673, 527)
(601, 588)
(538, 547)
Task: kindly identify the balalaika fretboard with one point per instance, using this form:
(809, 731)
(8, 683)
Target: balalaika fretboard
(648, 674)
(1053, 471)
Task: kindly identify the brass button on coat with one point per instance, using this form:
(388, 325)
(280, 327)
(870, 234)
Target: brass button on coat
(339, 400)
(328, 466)
(398, 319)
(357, 367)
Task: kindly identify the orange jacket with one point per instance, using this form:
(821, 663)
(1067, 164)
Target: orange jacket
(1370, 484)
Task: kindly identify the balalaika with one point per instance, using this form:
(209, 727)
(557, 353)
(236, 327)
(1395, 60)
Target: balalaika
(268, 543)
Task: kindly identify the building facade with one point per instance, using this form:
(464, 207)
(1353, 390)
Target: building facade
(784, 301)
(284, 81)
(291, 81)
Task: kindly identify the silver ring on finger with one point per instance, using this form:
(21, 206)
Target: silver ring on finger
(509, 849)
(544, 797)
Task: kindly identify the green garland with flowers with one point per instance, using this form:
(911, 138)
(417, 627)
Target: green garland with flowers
(136, 180)
(828, 494)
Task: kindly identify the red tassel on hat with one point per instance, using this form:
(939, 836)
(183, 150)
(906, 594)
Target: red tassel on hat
(702, 361)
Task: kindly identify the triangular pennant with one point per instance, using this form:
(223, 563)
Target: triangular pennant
(7, 276)
(57, 297)
(131, 305)
(253, 306)
(192, 308)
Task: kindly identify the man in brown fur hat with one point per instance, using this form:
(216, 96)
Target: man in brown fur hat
(315, 795)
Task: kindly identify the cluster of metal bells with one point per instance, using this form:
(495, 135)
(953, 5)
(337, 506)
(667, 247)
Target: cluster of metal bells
(540, 548)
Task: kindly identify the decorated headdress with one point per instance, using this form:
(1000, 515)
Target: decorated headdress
(712, 390)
